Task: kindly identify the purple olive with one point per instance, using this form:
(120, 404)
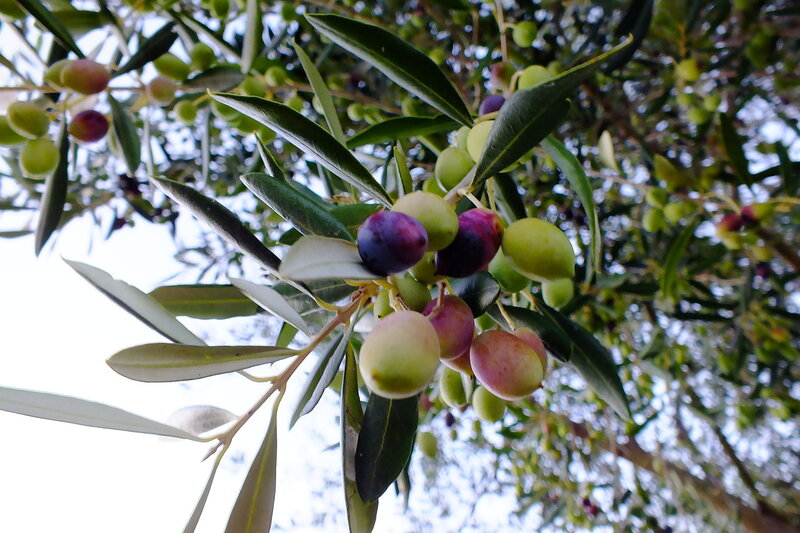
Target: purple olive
(454, 324)
(88, 126)
(390, 242)
(479, 235)
(491, 103)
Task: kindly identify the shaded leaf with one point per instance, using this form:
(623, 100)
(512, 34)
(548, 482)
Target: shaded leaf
(790, 176)
(271, 301)
(304, 214)
(310, 138)
(317, 258)
(161, 362)
(219, 78)
(398, 60)
(396, 128)
(253, 40)
(352, 215)
(204, 301)
(82, 412)
(733, 147)
(510, 196)
(154, 47)
(636, 21)
(55, 194)
(674, 254)
(126, 134)
(322, 92)
(221, 220)
(406, 184)
(139, 304)
(47, 18)
(384, 444)
(479, 291)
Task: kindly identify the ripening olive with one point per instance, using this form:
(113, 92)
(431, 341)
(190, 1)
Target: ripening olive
(452, 319)
(506, 364)
(85, 76)
(161, 90)
(390, 242)
(88, 126)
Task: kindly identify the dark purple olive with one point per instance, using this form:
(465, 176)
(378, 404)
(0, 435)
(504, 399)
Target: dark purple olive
(390, 242)
(479, 235)
(491, 103)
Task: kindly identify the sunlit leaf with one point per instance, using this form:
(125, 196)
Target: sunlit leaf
(321, 91)
(47, 18)
(270, 300)
(191, 525)
(199, 419)
(204, 301)
(317, 258)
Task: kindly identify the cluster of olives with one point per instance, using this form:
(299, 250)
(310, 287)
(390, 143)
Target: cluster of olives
(415, 333)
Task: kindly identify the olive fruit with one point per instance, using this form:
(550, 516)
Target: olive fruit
(491, 104)
(27, 119)
(479, 235)
(223, 111)
(509, 279)
(202, 56)
(654, 220)
(9, 137)
(558, 293)
(390, 242)
(451, 388)
(452, 319)
(675, 211)
(400, 355)
(425, 270)
(451, 167)
(524, 33)
(500, 75)
(295, 102)
(532, 76)
(427, 443)
(488, 407)
(437, 217)
(505, 364)
(460, 363)
(38, 158)
(161, 90)
(85, 76)
(52, 76)
(88, 126)
(687, 70)
(535, 342)
(413, 293)
(172, 66)
(477, 138)
(656, 197)
(275, 75)
(538, 250)
(186, 112)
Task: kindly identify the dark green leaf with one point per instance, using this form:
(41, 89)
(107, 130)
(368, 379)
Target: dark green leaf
(401, 128)
(194, 25)
(573, 171)
(219, 78)
(733, 147)
(48, 19)
(384, 444)
(676, 250)
(401, 62)
(479, 291)
(406, 184)
(270, 163)
(252, 512)
(224, 222)
(55, 194)
(352, 215)
(204, 301)
(790, 176)
(79, 22)
(322, 92)
(309, 137)
(529, 115)
(126, 133)
(296, 208)
(510, 197)
(154, 47)
(636, 22)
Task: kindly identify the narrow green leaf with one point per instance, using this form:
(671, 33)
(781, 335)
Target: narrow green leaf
(222, 221)
(513, 205)
(80, 22)
(529, 115)
(272, 301)
(161, 362)
(352, 215)
(126, 133)
(360, 516)
(406, 183)
(55, 194)
(322, 92)
(576, 175)
(139, 304)
(47, 19)
(154, 47)
(479, 291)
(270, 163)
(790, 177)
(396, 128)
(733, 147)
(219, 78)
(398, 60)
(191, 525)
(253, 40)
(316, 258)
(636, 22)
(252, 512)
(196, 26)
(384, 444)
(83, 412)
(204, 301)
(310, 138)
(676, 250)
(13, 234)
(293, 206)
(286, 334)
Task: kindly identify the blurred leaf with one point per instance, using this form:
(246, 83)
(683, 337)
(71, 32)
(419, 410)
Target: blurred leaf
(529, 115)
(48, 19)
(790, 176)
(55, 194)
(199, 419)
(196, 26)
(317, 258)
(82, 412)
(219, 78)
(396, 128)
(733, 147)
(398, 60)
(573, 171)
(674, 254)
(271, 301)
(310, 138)
(360, 516)
(252, 512)
(253, 40)
(204, 301)
(13, 234)
(479, 291)
(222, 221)
(384, 444)
(636, 22)
(79, 22)
(139, 304)
(270, 163)
(322, 92)
(127, 135)
(161, 362)
(191, 525)
(305, 215)
(154, 47)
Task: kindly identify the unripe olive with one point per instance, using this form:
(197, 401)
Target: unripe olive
(687, 70)
(427, 443)
(538, 250)
(477, 138)
(675, 211)
(202, 56)
(186, 112)
(425, 270)
(509, 279)
(506, 364)
(451, 388)
(355, 112)
(220, 8)
(451, 167)
(295, 102)
(52, 76)
(711, 102)
(698, 115)
(413, 293)
(161, 90)
(437, 217)
(558, 293)
(400, 355)
(524, 33)
(654, 220)
(88, 126)
(532, 76)
(85, 76)
(223, 112)
(382, 306)
(171, 66)
(9, 137)
(437, 55)
(461, 138)
(432, 186)
(275, 75)
(488, 407)
(38, 158)
(27, 119)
